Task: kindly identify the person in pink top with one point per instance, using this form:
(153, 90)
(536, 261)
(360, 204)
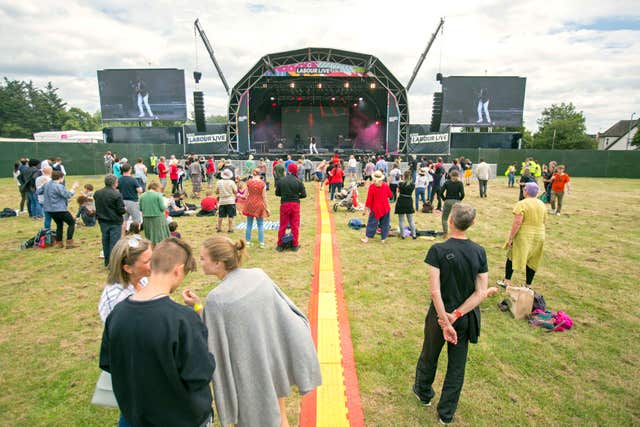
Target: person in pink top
(378, 208)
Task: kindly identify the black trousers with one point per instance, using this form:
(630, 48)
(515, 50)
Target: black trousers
(60, 218)
(436, 193)
(428, 363)
(483, 187)
(110, 235)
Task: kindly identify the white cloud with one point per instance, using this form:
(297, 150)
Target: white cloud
(67, 41)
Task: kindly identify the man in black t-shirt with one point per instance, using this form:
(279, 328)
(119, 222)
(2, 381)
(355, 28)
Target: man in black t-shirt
(130, 189)
(156, 350)
(458, 277)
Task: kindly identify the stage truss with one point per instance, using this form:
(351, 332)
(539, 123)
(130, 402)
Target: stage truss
(372, 65)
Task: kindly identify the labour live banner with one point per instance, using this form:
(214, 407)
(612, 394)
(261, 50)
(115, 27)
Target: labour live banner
(318, 69)
(421, 141)
(213, 141)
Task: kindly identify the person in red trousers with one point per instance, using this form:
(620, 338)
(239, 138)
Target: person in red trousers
(290, 190)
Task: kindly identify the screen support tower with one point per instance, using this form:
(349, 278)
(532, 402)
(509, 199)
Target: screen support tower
(207, 45)
(424, 54)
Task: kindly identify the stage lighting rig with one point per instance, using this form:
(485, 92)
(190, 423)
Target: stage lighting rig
(197, 75)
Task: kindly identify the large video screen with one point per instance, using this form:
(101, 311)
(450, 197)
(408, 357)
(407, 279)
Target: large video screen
(142, 94)
(483, 101)
(328, 125)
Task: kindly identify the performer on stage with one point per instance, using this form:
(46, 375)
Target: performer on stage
(312, 145)
(483, 105)
(142, 95)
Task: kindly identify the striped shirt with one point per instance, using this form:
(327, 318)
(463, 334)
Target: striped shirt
(113, 294)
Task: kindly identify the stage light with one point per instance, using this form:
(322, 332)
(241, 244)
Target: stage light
(377, 122)
(273, 104)
(355, 104)
(319, 85)
(333, 99)
(299, 98)
(372, 86)
(361, 99)
(346, 85)
(292, 85)
(272, 98)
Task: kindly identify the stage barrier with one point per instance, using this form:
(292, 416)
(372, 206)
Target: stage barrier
(87, 159)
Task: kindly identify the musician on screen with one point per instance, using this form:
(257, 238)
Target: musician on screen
(312, 145)
(483, 105)
(142, 95)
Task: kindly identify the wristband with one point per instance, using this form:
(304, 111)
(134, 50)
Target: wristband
(457, 313)
(197, 307)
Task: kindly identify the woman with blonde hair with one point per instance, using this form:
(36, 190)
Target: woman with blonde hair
(260, 340)
(378, 208)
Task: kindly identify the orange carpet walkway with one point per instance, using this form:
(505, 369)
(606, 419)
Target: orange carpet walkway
(337, 402)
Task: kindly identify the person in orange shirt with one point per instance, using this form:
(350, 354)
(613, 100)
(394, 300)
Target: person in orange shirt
(559, 185)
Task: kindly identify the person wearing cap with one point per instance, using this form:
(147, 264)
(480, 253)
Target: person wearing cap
(226, 190)
(422, 181)
(378, 208)
(526, 238)
(290, 190)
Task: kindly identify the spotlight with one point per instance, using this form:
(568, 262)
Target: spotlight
(372, 86)
(361, 99)
(319, 85)
(299, 98)
(272, 98)
(377, 122)
(273, 104)
(333, 99)
(292, 85)
(346, 85)
(355, 105)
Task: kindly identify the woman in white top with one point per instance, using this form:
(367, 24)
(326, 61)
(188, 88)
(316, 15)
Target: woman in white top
(140, 173)
(352, 167)
(129, 267)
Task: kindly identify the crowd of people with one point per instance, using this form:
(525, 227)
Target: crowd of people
(214, 340)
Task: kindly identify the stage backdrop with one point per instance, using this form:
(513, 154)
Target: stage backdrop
(483, 101)
(143, 94)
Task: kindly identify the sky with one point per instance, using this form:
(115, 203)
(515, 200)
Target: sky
(580, 51)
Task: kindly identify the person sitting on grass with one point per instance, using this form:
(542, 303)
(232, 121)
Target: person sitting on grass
(208, 205)
(134, 229)
(458, 278)
(173, 229)
(156, 349)
(86, 211)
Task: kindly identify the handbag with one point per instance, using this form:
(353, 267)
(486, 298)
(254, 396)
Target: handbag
(103, 394)
(520, 300)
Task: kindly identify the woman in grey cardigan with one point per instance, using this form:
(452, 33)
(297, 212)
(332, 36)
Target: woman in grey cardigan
(260, 340)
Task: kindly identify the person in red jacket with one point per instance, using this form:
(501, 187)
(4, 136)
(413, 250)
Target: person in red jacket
(173, 175)
(378, 208)
(162, 172)
(336, 177)
(210, 170)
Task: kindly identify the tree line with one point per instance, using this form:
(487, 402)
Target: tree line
(26, 109)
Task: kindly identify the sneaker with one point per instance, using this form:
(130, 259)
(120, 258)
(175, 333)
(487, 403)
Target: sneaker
(557, 213)
(443, 422)
(295, 248)
(249, 244)
(279, 248)
(261, 246)
(421, 400)
(101, 256)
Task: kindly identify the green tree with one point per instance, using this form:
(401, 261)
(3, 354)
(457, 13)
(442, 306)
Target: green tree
(635, 141)
(77, 119)
(568, 126)
(217, 118)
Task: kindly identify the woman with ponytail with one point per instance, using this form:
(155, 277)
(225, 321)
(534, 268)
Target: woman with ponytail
(260, 340)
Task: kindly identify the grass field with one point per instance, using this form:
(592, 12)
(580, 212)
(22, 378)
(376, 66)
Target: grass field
(517, 375)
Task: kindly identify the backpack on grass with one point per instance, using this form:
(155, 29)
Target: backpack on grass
(427, 207)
